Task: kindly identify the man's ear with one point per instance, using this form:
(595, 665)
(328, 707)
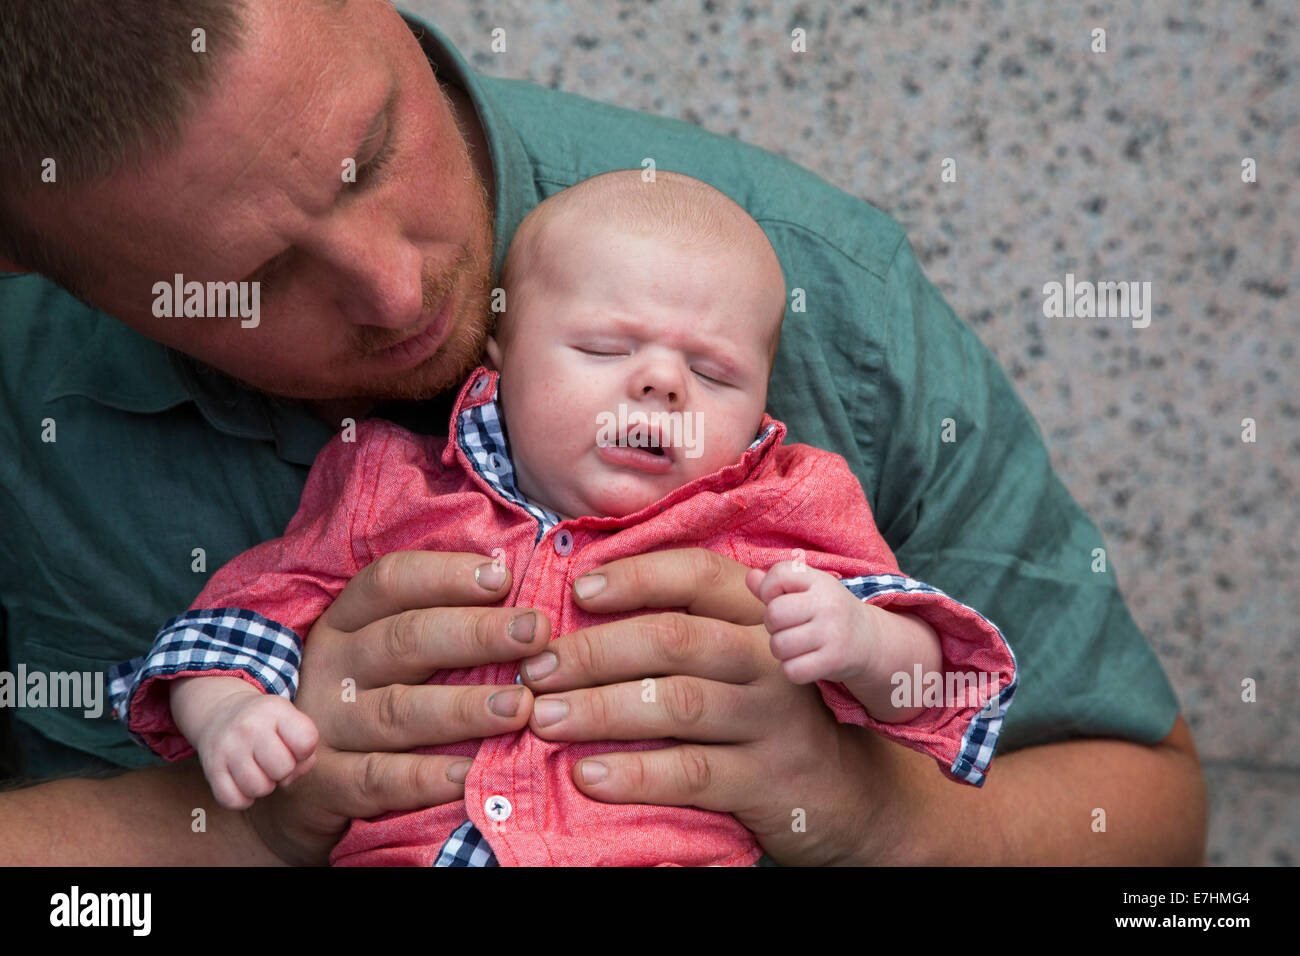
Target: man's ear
(494, 352)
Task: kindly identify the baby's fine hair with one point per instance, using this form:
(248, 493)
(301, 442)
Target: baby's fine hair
(678, 209)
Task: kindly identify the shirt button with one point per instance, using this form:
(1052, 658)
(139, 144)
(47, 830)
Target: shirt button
(476, 389)
(498, 808)
(563, 543)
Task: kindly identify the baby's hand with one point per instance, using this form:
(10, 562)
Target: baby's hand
(247, 741)
(820, 631)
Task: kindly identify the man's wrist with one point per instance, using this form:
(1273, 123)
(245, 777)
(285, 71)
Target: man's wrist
(892, 830)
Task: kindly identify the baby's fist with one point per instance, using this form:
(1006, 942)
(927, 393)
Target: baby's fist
(820, 631)
(253, 743)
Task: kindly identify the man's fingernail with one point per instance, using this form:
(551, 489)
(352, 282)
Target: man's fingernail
(458, 771)
(589, 585)
(593, 771)
(490, 576)
(523, 627)
(538, 667)
(550, 711)
(505, 703)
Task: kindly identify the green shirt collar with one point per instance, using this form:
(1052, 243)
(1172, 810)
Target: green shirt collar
(122, 369)
(118, 367)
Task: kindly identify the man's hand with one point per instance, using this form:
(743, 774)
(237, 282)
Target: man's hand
(398, 621)
(771, 753)
(756, 745)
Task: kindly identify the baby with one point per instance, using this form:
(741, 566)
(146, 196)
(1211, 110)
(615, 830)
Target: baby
(624, 414)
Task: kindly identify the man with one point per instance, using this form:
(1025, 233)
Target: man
(149, 449)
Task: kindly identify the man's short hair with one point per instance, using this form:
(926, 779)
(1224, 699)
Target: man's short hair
(95, 85)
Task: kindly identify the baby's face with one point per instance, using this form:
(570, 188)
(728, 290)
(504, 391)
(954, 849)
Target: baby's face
(609, 330)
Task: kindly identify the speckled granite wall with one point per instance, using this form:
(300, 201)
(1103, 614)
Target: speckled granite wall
(1123, 165)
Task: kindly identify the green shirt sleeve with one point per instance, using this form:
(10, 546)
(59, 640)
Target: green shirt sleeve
(967, 497)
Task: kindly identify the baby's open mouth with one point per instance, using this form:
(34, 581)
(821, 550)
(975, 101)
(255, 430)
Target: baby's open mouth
(654, 449)
(635, 449)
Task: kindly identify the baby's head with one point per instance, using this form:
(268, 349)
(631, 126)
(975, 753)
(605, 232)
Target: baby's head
(637, 313)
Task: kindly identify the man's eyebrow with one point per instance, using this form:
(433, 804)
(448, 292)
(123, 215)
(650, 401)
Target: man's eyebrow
(372, 133)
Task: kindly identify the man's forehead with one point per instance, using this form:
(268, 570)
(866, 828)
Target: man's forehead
(265, 141)
(300, 93)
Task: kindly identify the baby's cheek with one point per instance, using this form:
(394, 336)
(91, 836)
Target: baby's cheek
(714, 453)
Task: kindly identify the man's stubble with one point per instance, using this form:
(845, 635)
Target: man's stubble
(463, 349)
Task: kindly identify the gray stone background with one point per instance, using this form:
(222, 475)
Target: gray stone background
(1123, 165)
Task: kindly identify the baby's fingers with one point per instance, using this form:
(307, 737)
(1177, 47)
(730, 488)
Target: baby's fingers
(275, 758)
(807, 668)
(791, 642)
(298, 732)
(225, 790)
(788, 611)
(303, 768)
(250, 778)
(785, 577)
(299, 735)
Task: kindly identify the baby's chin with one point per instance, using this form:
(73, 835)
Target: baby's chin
(619, 501)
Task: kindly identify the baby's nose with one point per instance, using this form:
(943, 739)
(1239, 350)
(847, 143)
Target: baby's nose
(669, 395)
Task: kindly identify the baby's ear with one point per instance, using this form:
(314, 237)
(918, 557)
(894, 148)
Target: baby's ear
(494, 352)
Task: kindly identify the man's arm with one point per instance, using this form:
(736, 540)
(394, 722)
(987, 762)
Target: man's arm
(141, 818)
(1039, 808)
(1089, 802)
(962, 488)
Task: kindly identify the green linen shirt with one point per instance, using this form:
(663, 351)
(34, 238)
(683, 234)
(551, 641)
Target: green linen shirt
(154, 457)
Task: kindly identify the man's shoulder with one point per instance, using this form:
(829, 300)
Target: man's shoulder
(39, 314)
(570, 137)
(51, 342)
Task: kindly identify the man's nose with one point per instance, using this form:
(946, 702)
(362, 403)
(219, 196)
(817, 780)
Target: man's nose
(379, 281)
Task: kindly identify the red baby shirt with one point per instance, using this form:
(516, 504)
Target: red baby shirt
(392, 490)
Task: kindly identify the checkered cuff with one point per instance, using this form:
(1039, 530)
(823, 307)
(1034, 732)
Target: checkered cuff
(966, 759)
(226, 642)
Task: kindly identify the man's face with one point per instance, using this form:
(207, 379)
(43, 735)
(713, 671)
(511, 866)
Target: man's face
(354, 276)
(608, 329)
